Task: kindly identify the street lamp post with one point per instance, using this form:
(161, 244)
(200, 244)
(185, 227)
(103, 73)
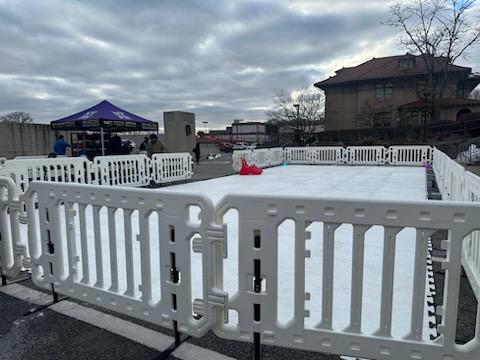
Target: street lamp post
(297, 125)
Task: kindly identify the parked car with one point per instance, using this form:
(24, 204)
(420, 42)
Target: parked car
(244, 146)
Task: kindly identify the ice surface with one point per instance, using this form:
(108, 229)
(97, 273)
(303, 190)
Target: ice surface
(368, 182)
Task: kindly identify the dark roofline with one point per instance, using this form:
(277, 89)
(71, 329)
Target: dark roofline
(332, 82)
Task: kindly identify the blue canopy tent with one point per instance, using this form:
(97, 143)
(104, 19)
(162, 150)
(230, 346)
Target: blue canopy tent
(101, 117)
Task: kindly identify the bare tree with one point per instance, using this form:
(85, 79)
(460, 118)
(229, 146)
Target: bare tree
(304, 122)
(18, 117)
(475, 94)
(438, 31)
(366, 116)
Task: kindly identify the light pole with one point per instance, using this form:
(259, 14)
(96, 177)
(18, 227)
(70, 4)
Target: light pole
(297, 124)
(205, 126)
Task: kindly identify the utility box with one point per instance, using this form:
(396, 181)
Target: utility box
(179, 131)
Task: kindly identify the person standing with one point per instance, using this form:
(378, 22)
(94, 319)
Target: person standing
(196, 151)
(144, 144)
(155, 146)
(115, 145)
(60, 146)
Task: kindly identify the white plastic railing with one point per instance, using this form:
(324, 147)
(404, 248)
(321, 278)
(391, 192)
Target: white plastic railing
(258, 296)
(276, 156)
(407, 155)
(121, 170)
(237, 157)
(124, 170)
(457, 184)
(65, 170)
(171, 167)
(367, 155)
(82, 240)
(144, 270)
(13, 248)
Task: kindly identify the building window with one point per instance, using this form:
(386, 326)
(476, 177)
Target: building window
(406, 64)
(383, 91)
(461, 89)
(383, 119)
(421, 87)
(414, 118)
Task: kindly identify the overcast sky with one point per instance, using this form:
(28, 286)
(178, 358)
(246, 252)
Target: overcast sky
(221, 59)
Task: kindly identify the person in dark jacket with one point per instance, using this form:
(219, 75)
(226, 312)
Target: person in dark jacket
(115, 146)
(196, 151)
(144, 144)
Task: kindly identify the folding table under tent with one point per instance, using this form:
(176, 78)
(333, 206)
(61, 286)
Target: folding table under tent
(101, 117)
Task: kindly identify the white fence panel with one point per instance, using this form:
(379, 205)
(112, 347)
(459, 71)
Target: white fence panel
(122, 170)
(456, 184)
(258, 296)
(410, 155)
(276, 156)
(13, 248)
(366, 155)
(124, 249)
(65, 170)
(298, 155)
(168, 167)
(326, 155)
(237, 157)
(471, 248)
(262, 157)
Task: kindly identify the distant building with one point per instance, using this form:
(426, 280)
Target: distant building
(250, 131)
(388, 92)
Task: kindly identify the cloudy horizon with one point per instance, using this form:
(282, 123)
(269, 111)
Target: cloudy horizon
(222, 60)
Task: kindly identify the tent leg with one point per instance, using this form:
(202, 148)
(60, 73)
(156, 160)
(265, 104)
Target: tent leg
(103, 141)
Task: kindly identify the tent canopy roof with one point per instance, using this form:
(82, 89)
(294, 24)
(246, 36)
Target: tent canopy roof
(104, 115)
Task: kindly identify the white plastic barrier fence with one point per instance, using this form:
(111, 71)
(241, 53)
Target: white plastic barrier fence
(298, 155)
(276, 156)
(409, 155)
(366, 155)
(327, 155)
(471, 248)
(130, 250)
(65, 170)
(122, 170)
(13, 249)
(258, 296)
(262, 158)
(456, 184)
(143, 270)
(171, 167)
(406, 155)
(237, 157)
(118, 170)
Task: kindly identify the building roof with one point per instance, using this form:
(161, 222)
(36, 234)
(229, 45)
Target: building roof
(443, 103)
(382, 68)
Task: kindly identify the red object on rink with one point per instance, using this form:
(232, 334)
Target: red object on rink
(249, 169)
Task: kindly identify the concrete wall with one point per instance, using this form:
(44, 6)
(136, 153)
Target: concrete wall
(176, 137)
(26, 139)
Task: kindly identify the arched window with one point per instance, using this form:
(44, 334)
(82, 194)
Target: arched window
(462, 112)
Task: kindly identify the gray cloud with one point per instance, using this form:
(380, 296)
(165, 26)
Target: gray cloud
(219, 59)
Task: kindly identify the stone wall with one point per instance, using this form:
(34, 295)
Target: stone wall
(26, 139)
